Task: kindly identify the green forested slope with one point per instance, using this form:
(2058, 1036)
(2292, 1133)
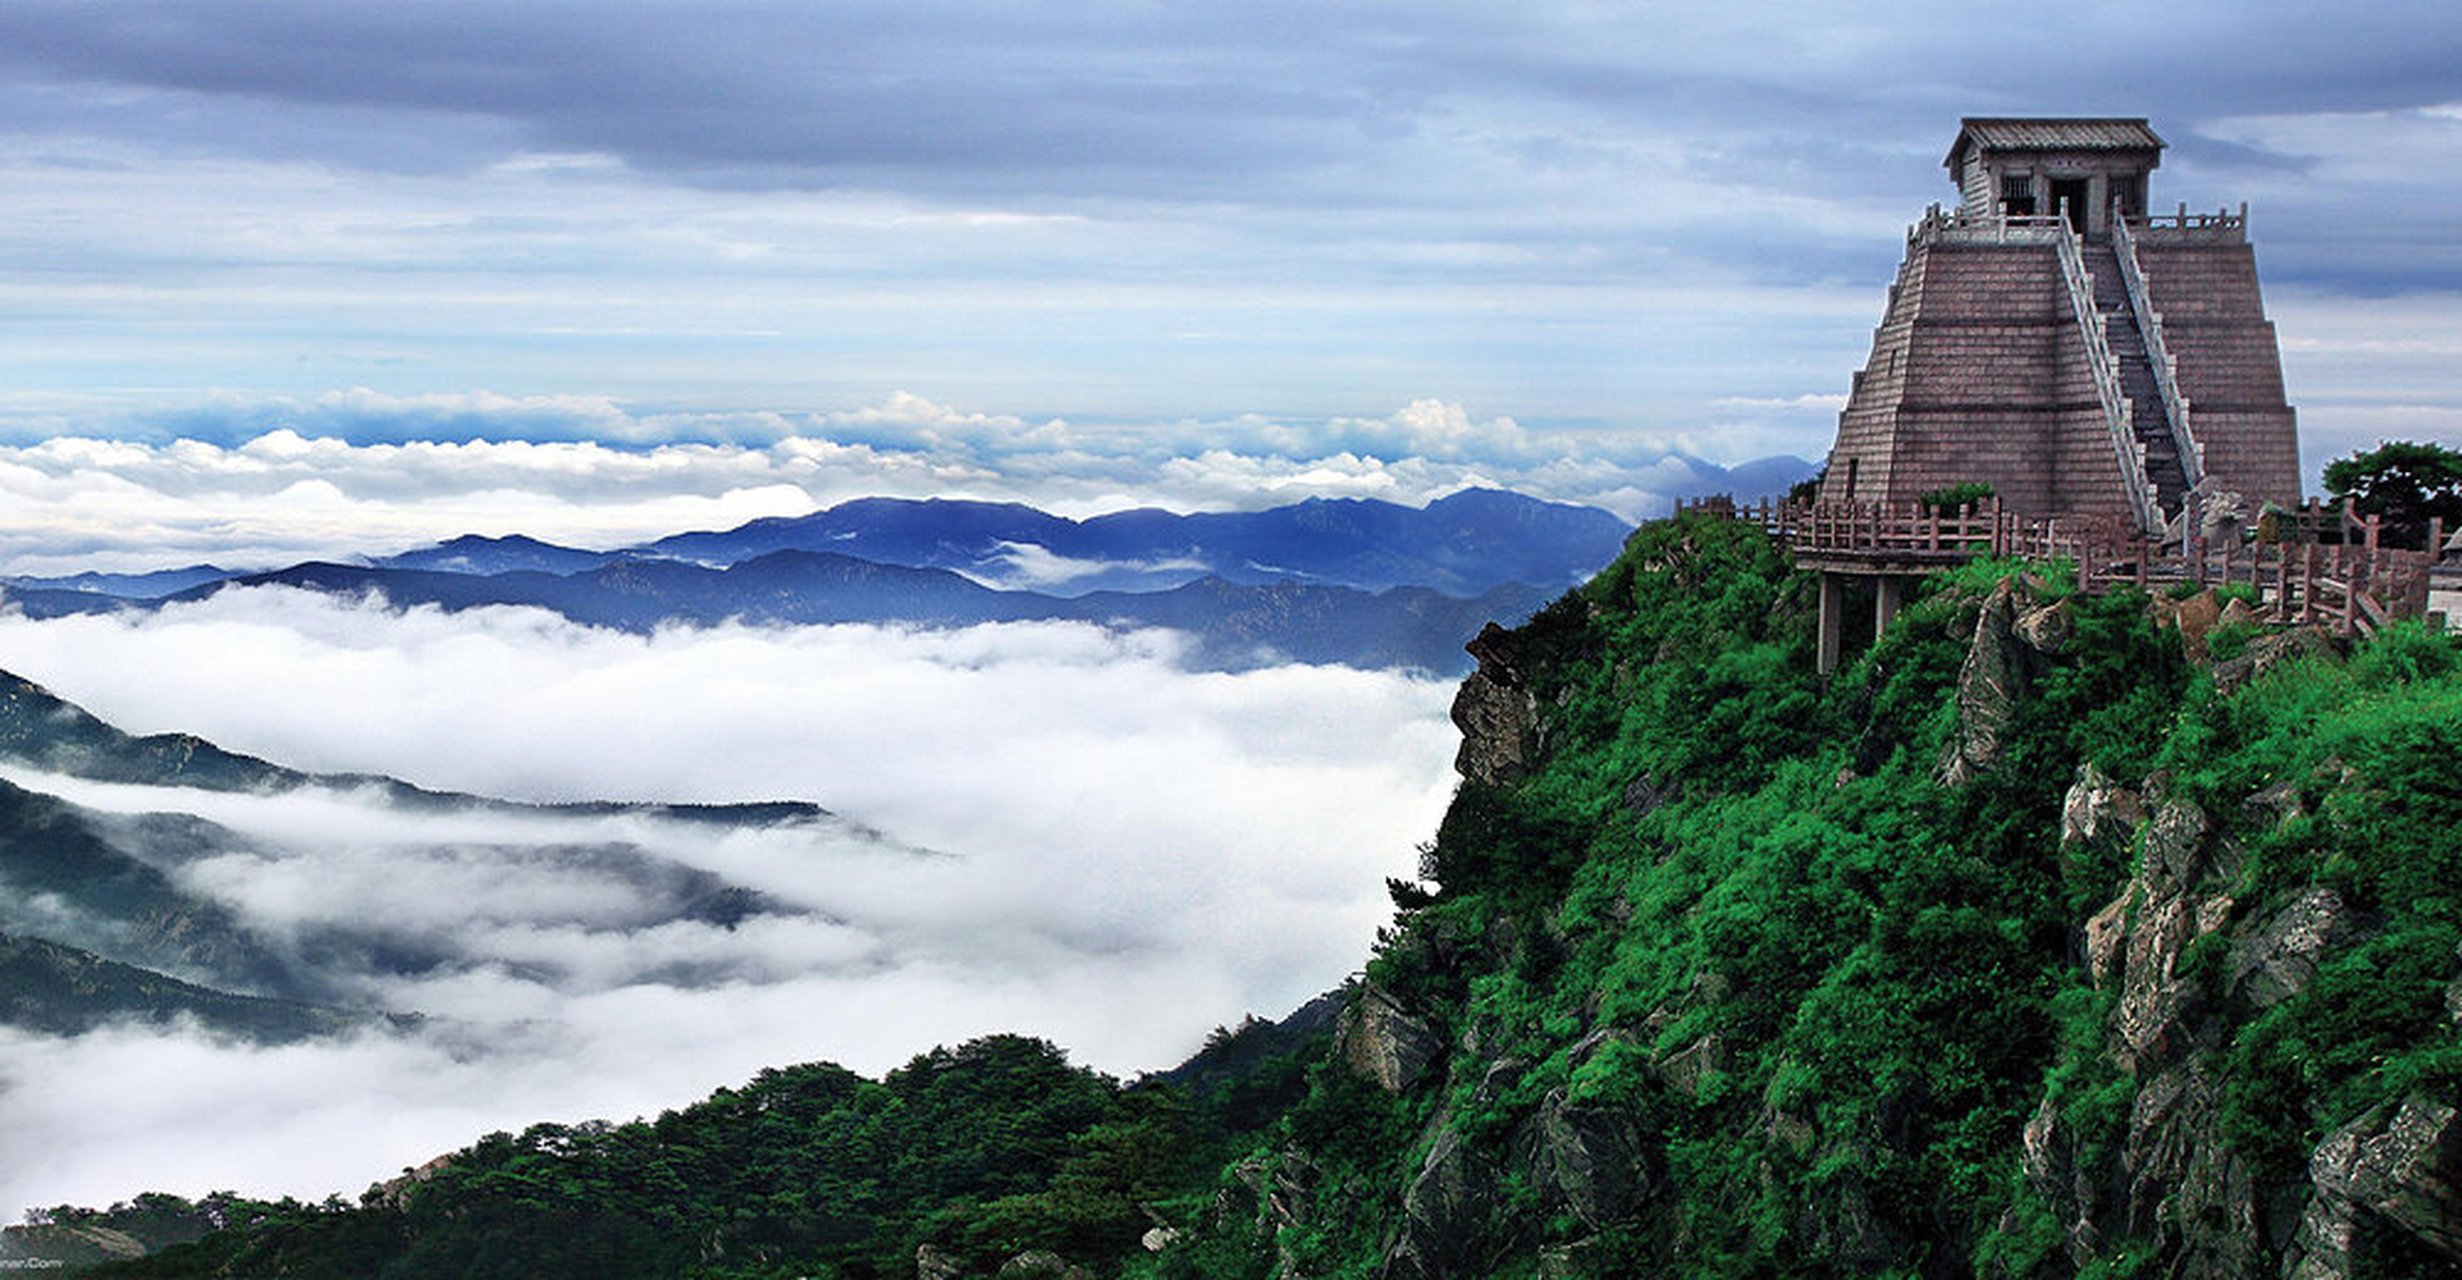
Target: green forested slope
(2023, 948)
(2054, 936)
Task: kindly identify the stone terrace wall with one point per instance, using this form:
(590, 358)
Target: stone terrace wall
(1978, 374)
(2230, 365)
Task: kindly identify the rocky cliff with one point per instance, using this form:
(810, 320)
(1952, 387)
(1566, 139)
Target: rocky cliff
(2056, 936)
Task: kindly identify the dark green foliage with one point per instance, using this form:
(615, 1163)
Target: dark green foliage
(987, 1150)
(2406, 482)
(58, 990)
(1245, 1076)
(1839, 989)
(1948, 501)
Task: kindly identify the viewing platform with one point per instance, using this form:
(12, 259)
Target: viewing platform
(2315, 564)
(1941, 225)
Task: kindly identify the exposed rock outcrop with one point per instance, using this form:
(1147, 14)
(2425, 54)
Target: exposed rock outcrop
(2400, 1173)
(1446, 1215)
(1496, 712)
(934, 1263)
(1570, 1083)
(1990, 682)
(2045, 628)
(2176, 1178)
(2277, 960)
(2266, 652)
(1383, 1043)
(1586, 1159)
(1041, 1264)
(2143, 934)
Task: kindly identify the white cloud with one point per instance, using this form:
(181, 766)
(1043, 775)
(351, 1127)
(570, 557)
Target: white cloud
(1026, 566)
(276, 494)
(1114, 853)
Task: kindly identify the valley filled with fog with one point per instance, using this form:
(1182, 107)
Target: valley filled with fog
(1046, 828)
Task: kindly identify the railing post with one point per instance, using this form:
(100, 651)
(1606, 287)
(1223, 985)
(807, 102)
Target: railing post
(2282, 582)
(2308, 582)
(2350, 598)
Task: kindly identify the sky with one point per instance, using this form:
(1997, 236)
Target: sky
(282, 279)
(754, 257)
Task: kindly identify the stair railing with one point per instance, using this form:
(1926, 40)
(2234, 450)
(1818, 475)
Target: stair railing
(2166, 370)
(2117, 417)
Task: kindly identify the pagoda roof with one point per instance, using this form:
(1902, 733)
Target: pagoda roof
(2053, 133)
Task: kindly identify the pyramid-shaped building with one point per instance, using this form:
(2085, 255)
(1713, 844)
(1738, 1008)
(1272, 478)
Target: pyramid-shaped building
(2050, 338)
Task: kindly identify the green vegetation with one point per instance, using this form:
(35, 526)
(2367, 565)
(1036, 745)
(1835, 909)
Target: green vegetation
(1822, 991)
(58, 990)
(982, 1152)
(2406, 482)
(1733, 973)
(1949, 500)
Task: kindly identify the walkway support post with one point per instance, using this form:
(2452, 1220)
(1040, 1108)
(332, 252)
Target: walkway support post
(1889, 596)
(1833, 610)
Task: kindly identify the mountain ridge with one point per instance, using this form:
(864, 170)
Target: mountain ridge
(108, 885)
(1464, 544)
(1358, 582)
(1233, 627)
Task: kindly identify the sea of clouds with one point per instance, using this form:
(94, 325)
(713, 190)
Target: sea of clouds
(1046, 828)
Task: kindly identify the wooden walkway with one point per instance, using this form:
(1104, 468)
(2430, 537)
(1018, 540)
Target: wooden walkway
(2319, 564)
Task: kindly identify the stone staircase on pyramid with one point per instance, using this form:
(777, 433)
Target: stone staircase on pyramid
(2150, 417)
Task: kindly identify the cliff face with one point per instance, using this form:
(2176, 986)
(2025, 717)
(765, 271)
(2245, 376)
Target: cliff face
(2028, 947)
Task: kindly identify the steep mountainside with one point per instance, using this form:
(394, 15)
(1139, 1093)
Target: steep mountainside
(110, 920)
(2055, 936)
(58, 990)
(2029, 947)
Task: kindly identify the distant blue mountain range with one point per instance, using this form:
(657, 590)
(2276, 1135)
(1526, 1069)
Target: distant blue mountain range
(1462, 545)
(1353, 581)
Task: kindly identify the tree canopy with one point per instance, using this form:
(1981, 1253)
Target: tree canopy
(2408, 483)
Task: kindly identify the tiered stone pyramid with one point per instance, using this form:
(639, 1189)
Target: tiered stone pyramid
(1999, 362)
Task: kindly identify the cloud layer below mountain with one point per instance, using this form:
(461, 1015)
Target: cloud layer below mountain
(1084, 842)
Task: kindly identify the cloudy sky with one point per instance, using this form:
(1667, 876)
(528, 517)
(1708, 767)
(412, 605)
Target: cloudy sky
(757, 256)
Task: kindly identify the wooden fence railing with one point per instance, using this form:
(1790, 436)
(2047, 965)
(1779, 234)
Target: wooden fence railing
(2320, 564)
